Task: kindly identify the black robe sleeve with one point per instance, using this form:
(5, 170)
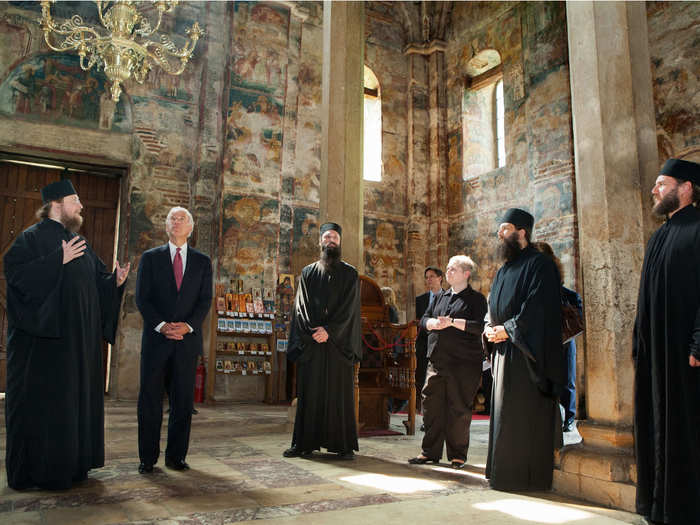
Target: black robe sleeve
(110, 297)
(344, 324)
(34, 286)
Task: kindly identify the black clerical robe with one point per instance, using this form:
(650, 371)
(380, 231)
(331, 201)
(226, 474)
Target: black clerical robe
(325, 402)
(58, 315)
(529, 370)
(667, 388)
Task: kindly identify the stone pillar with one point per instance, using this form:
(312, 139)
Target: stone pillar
(612, 151)
(342, 198)
(427, 159)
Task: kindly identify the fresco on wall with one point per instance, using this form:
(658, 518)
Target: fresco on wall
(53, 88)
(674, 49)
(305, 239)
(253, 142)
(384, 253)
(249, 240)
(143, 233)
(260, 47)
(166, 129)
(15, 38)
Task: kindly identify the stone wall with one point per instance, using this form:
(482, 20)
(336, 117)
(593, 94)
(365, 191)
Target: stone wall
(385, 202)
(538, 176)
(675, 67)
(272, 154)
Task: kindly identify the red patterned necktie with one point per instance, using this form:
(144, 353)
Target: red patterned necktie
(177, 268)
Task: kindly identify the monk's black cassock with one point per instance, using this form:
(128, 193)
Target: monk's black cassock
(328, 297)
(667, 388)
(529, 370)
(58, 315)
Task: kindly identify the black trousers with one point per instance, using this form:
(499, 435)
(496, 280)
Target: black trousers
(421, 368)
(179, 365)
(448, 400)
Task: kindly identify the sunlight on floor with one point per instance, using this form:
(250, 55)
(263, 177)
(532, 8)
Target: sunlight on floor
(535, 511)
(463, 472)
(393, 483)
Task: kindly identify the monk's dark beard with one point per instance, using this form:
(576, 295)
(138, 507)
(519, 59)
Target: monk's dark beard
(330, 255)
(669, 203)
(72, 224)
(509, 249)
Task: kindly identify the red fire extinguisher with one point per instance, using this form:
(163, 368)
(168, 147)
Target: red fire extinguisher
(199, 382)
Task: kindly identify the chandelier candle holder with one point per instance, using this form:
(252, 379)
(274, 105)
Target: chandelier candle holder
(122, 47)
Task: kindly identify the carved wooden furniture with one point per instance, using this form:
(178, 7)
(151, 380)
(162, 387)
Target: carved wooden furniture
(388, 366)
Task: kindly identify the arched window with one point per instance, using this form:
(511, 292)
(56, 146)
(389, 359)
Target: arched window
(500, 126)
(483, 115)
(372, 164)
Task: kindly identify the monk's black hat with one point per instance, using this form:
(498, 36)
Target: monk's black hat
(521, 219)
(682, 169)
(331, 226)
(57, 190)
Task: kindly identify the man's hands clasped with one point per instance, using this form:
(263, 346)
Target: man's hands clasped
(175, 331)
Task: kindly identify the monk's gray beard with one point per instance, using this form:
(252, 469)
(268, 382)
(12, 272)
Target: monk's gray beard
(330, 255)
(509, 249)
(72, 224)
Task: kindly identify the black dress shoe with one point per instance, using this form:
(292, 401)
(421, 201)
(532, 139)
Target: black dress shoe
(422, 460)
(457, 464)
(195, 411)
(349, 455)
(296, 452)
(177, 464)
(422, 427)
(145, 468)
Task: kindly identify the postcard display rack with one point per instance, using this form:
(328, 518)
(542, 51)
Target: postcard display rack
(244, 344)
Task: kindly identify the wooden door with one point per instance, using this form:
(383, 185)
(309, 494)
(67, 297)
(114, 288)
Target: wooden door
(20, 186)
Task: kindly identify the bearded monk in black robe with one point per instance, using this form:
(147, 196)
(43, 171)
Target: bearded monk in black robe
(61, 303)
(325, 341)
(667, 354)
(529, 367)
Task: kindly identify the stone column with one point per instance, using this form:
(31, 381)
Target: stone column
(612, 152)
(341, 196)
(427, 159)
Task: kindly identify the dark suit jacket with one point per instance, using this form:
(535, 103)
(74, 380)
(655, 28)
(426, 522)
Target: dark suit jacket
(158, 299)
(421, 306)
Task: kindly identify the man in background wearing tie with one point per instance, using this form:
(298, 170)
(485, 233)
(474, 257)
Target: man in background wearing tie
(173, 294)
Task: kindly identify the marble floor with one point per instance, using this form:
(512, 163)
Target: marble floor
(238, 475)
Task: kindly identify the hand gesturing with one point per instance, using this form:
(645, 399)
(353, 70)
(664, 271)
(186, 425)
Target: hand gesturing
(73, 249)
(122, 273)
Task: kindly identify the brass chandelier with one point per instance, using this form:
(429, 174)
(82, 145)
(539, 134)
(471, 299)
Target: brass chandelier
(122, 46)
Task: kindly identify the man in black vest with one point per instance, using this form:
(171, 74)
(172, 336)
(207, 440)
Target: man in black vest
(173, 294)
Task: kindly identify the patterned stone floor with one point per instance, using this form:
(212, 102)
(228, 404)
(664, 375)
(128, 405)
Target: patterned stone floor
(238, 475)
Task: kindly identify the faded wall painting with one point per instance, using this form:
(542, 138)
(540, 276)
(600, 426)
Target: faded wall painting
(249, 235)
(253, 142)
(53, 88)
(385, 254)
